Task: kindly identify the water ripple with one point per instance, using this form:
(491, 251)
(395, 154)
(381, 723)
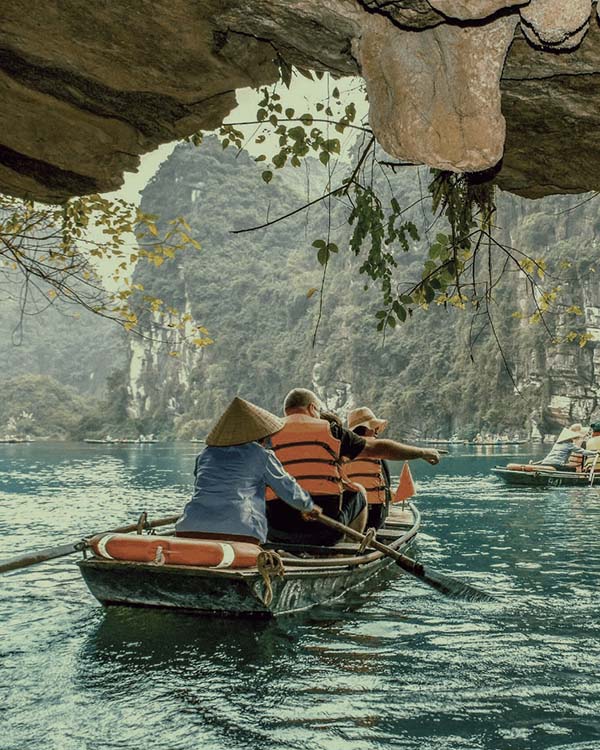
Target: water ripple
(399, 667)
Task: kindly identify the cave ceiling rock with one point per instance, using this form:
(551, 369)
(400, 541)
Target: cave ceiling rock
(84, 94)
(556, 24)
(411, 14)
(467, 10)
(434, 95)
(553, 123)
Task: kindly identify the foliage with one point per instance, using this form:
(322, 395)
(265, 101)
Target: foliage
(60, 253)
(465, 261)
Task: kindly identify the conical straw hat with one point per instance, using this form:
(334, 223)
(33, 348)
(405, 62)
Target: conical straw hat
(572, 432)
(243, 422)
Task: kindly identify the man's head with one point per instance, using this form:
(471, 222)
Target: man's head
(302, 401)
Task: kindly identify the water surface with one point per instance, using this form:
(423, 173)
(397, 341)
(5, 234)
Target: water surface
(398, 667)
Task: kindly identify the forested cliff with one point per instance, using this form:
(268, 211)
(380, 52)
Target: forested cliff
(253, 293)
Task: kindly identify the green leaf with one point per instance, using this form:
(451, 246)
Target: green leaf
(323, 256)
(335, 93)
(261, 114)
(307, 119)
(267, 176)
(381, 314)
(285, 70)
(306, 73)
(324, 157)
(319, 244)
(289, 113)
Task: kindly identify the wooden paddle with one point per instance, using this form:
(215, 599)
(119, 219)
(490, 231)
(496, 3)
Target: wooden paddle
(439, 581)
(50, 553)
(593, 469)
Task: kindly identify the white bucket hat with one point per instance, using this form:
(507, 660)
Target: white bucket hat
(364, 417)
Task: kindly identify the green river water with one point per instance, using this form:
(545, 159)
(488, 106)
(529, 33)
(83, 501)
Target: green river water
(398, 667)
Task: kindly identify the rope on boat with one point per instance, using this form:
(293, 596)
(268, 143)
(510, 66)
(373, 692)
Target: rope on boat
(269, 565)
(366, 542)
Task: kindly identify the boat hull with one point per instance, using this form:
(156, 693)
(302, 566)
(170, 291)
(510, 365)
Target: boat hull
(544, 478)
(237, 592)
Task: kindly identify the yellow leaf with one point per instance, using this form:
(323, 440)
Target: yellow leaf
(153, 229)
(311, 291)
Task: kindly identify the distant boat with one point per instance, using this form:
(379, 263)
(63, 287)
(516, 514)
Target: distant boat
(13, 439)
(108, 440)
(532, 477)
(497, 442)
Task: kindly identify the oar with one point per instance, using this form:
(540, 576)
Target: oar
(50, 553)
(593, 469)
(444, 583)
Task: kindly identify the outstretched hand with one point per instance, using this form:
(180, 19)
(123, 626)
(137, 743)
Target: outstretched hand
(312, 515)
(431, 456)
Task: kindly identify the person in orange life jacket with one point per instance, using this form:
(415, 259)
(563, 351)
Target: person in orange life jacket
(311, 449)
(372, 473)
(231, 476)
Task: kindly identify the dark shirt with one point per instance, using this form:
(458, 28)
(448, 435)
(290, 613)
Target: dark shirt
(280, 516)
(351, 443)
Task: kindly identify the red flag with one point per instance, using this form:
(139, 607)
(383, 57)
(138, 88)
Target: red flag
(406, 486)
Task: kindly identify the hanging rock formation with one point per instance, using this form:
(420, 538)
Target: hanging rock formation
(506, 85)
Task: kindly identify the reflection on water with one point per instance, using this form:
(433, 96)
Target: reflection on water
(400, 666)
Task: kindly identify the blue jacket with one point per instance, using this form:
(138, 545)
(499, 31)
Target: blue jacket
(229, 491)
(561, 452)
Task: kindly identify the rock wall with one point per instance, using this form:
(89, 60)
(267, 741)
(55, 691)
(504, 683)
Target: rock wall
(85, 91)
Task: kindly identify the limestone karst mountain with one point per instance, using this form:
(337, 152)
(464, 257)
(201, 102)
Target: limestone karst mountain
(251, 291)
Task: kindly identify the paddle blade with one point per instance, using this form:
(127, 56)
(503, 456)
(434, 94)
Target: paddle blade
(455, 588)
(445, 584)
(406, 486)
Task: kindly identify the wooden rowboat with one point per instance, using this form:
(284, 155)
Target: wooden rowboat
(542, 478)
(311, 576)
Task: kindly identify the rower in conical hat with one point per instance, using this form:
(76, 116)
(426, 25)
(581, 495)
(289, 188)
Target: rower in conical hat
(567, 454)
(231, 476)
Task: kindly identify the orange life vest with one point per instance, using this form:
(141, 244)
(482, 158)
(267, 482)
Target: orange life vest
(368, 472)
(310, 453)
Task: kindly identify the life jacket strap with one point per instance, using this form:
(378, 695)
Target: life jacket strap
(328, 448)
